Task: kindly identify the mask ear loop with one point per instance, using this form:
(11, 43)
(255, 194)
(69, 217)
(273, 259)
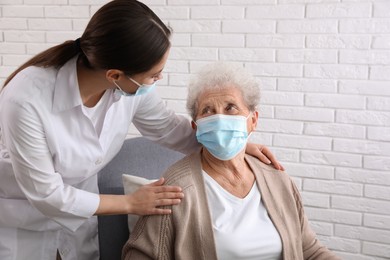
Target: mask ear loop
(250, 113)
(120, 89)
(135, 82)
(116, 84)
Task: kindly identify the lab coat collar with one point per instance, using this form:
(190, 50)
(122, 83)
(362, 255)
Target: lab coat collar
(66, 88)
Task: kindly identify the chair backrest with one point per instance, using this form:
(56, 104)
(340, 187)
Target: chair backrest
(140, 157)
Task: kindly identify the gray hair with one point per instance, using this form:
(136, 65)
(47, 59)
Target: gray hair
(217, 76)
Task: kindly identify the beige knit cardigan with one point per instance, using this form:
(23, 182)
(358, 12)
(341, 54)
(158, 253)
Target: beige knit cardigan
(187, 233)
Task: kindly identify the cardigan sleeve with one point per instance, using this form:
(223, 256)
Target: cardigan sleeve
(150, 239)
(311, 246)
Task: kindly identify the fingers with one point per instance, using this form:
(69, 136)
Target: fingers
(164, 193)
(163, 202)
(264, 155)
(157, 186)
(169, 195)
(264, 158)
(149, 199)
(167, 202)
(159, 211)
(278, 166)
(270, 158)
(167, 189)
(265, 151)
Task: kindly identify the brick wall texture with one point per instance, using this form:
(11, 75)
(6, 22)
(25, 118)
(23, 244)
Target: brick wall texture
(324, 69)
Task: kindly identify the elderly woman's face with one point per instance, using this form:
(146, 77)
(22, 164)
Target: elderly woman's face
(223, 122)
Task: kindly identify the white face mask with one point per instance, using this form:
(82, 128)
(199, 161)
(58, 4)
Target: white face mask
(142, 89)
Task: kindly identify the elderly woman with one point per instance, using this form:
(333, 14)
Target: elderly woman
(234, 206)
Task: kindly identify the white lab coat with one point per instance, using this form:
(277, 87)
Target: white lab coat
(50, 154)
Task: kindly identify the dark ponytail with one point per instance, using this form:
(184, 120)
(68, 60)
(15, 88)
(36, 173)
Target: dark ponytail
(123, 34)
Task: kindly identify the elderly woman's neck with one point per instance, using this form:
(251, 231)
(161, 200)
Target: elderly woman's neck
(234, 175)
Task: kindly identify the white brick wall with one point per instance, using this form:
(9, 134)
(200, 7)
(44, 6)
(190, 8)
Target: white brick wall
(324, 67)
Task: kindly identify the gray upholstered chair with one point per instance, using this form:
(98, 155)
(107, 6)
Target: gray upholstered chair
(139, 157)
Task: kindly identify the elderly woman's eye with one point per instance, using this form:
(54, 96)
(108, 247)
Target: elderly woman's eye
(231, 108)
(206, 110)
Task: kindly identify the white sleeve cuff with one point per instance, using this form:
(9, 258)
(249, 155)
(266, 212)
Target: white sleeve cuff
(84, 207)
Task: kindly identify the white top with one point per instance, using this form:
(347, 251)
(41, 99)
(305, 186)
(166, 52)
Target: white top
(55, 153)
(95, 113)
(242, 228)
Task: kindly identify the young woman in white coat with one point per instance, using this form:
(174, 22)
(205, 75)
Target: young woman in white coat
(65, 114)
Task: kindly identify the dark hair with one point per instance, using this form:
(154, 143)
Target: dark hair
(123, 34)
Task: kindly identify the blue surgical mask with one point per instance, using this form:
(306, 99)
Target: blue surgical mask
(142, 89)
(224, 136)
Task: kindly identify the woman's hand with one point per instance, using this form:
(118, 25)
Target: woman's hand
(264, 154)
(148, 199)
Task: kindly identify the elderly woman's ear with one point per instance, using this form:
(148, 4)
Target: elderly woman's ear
(254, 118)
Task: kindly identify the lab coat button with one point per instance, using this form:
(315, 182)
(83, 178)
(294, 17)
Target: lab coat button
(98, 161)
(63, 252)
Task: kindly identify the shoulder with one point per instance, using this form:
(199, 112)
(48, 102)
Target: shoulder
(29, 83)
(274, 179)
(27, 94)
(35, 76)
(184, 171)
(265, 169)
